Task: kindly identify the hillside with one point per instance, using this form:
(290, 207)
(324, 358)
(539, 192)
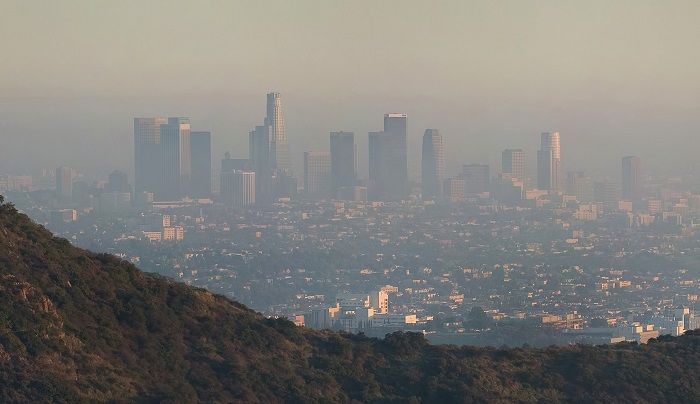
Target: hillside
(76, 326)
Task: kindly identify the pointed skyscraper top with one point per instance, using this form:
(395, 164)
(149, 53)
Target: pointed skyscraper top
(274, 116)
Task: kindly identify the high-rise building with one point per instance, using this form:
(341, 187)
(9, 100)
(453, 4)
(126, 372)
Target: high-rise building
(378, 143)
(283, 184)
(259, 156)
(269, 155)
(580, 186)
(455, 189)
(226, 187)
(244, 188)
(506, 188)
(632, 179)
(118, 182)
(476, 177)
(175, 159)
(147, 160)
(397, 156)
(64, 184)
(433, 165)
(513, 163)
(343, 160)
(388, 160)
(318, 183)
(549, 168)
(84, 196)
(200, 160)
(238, 188)
(280, 157)
(607, 192)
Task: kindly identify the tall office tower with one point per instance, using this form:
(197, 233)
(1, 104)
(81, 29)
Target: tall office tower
(433, 165)
(244, 188)
(318, 182)
(280, 157)
(607, 192)
(549, 168)
(226, 188)
(175, 159)
(343, 160)
(513, 163)
(83, 195)
(118, 182)
(476, 177)
(283, 184)
(147, 159)
(238, 188)
(632, 179)
(259, 156)
(64, 184)
(396, 156)
(580, 186)
(455, 189)
(379, 143)
(200, 160)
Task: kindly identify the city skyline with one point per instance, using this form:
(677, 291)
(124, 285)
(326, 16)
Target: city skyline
(147, 134)
(184, 154)
(607, 80)
(397, 175)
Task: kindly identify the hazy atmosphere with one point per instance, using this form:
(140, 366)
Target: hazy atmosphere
(614, 78)
(349, 201)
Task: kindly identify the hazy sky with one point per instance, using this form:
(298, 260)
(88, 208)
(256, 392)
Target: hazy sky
(614, 77)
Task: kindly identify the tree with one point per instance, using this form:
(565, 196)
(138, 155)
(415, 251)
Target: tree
(477, 319)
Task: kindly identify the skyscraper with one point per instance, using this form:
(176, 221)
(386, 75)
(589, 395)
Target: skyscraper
(244, 188)
(259, 156)
(607, 192)
(477, 178)
(513, 163)
(318, 183)
(200, 159)
(455, 189)
(397, 156)
(64, 184)
(280, 157)
(147, 160)
(580, 186)
(118, 182)
(238, 188)
(549, 169)
(433, 164)
(378, 144)
(175, 159)
(269, 155)
(343, 160)
(388, 161)
(632, 179)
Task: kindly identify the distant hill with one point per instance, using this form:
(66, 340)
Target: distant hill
(76, 326)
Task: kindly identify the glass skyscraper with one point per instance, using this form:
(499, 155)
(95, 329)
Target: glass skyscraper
(549, 169)
(343, 160)
(432, 165)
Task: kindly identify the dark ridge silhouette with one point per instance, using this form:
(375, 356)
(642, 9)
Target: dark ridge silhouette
(76, 326)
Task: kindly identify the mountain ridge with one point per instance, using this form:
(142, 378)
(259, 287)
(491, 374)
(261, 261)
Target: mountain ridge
(76, 326)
